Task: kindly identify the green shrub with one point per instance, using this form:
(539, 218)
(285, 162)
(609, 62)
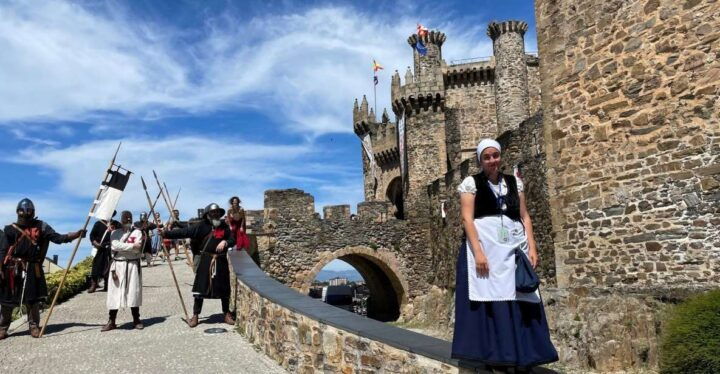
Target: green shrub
(691, 337)
(75, 282)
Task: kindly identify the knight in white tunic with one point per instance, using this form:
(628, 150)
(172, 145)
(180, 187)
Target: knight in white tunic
(125, 289)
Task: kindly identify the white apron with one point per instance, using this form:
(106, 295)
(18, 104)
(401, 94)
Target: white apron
(126, 291)
(500, 284)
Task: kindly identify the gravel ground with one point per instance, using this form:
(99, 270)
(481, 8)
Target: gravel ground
(73, 341)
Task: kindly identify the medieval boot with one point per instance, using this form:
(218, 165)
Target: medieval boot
(93, 286)
(229, 318)
(34, 331)
(136, 318)
(193, 321)
(109, 326)
(111, 321)
(3, 333)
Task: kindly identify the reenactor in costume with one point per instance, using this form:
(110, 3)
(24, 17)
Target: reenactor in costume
(210, 239)
(100, 239)
(237, 222)
(169, 244)
(125, 289)
(23, 279)
(146, 227)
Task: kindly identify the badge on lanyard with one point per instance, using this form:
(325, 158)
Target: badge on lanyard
(503, 234)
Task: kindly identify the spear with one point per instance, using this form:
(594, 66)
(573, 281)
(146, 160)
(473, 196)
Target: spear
(189, 259)
(77, 243)
(176, 197)
(172, 271)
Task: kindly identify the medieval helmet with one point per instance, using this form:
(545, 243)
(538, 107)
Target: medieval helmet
(27, 207)
(126, 217)
(213, 208)
(143, 217)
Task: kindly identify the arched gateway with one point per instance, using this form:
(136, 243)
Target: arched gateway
(379, 269)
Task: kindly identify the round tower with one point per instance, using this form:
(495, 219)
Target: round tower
(511, 76)
(427, 66)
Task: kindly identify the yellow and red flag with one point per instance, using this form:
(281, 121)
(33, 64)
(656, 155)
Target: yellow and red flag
(377, 66)
(421, 30)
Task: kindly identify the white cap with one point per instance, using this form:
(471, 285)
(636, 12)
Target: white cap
(487, 143)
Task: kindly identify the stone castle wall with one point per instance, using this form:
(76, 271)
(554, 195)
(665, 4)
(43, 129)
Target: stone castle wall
(298, 243)
(469, 109)
(633, 140)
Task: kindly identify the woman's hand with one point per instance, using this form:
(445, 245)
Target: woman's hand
(534, 258)
(481, 264)
(221, 246)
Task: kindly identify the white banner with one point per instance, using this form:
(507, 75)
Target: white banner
(367, 146)
(401, 145)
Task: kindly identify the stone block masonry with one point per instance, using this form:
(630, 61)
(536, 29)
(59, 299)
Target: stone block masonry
(632, 136)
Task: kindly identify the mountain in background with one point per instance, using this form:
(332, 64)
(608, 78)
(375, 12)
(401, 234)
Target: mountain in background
(352, 275)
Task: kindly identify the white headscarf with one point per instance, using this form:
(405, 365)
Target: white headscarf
(487, 143)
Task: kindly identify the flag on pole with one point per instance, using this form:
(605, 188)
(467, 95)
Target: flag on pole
(419, 45)
(111, 190)
(377, 66)
(421, 30)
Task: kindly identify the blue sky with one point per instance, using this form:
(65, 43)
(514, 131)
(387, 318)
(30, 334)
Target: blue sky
(221, 98)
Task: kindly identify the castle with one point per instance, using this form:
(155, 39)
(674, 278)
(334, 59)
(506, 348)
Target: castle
(616, 129)
(445, 110)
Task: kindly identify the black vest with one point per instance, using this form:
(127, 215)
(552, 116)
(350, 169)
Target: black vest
(486, 201)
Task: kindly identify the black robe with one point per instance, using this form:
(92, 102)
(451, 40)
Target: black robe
(100, 233)
(30, 256)
(146, 228)
(204, 238)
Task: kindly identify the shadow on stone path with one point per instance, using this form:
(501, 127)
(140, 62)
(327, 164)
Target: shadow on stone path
(73, 342)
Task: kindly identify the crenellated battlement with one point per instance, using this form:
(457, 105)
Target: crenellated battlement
(432, 37)
(495, 29)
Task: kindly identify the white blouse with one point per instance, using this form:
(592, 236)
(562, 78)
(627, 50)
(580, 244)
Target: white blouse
(468, 186)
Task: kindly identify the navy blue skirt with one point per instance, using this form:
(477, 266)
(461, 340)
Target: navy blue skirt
(498, 333)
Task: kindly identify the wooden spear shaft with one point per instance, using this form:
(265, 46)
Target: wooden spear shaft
(172, 271)
(77, 244)
(190, 261)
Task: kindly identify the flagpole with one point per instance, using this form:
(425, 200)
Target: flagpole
(77, 244)
(375, 94)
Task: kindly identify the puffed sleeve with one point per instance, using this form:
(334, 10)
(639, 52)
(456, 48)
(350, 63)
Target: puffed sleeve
(467, 186)
(518, 178)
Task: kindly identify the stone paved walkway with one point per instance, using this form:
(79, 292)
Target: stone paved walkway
(73, 342)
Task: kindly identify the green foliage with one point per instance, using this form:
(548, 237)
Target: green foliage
(75, 282)
(691, 337)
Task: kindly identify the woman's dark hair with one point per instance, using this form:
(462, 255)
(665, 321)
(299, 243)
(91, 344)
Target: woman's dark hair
(233, 198)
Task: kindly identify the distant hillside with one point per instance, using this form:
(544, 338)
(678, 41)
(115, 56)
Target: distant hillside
(351, 275)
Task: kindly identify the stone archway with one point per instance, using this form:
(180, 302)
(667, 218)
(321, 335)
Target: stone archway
(380, 270)
(394, 194)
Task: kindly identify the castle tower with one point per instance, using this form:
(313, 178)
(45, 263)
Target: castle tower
(420, 103)
(428, 66)
(363, 125)
(511, 76)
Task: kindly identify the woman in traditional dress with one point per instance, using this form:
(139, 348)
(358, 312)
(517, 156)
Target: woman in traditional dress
(236, 220)
(494, 323)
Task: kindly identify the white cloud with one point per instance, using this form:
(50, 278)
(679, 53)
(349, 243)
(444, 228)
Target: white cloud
(61, 61)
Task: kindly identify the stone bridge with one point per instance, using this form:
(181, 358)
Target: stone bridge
(294, 244)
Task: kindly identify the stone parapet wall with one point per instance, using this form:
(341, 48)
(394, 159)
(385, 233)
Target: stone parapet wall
(303, 344)
(632, 133)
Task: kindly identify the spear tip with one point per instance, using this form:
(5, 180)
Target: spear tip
(143, 183)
